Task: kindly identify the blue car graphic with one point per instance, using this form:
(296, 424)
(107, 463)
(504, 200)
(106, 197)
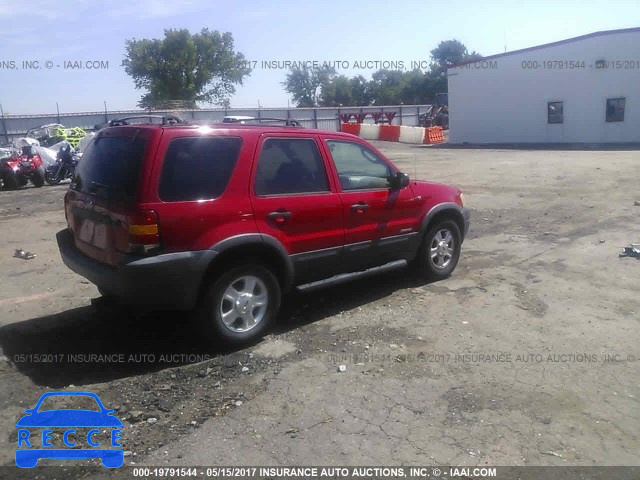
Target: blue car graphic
(105, 418)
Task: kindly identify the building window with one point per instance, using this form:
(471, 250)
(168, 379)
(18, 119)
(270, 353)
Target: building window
(615, 109)
(554, 112)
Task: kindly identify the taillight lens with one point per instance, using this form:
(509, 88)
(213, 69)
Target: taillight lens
(144, 232)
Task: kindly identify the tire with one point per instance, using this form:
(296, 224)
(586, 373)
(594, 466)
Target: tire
(440, 251)
(51, 178)
(38, 177)
(106, 297)
(257, 300)
(10, 181)
(104, 293)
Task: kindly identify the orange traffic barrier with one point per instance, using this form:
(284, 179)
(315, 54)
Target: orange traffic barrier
(427, 135)
(389, 133)
(439, 138)
(352, 128)
(433, 135)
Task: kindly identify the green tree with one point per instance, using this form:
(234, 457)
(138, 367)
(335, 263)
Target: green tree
(304, 84)
(203, 67)
(418, 88)
(360, 91)
(447, 54)
(387, 87)
(337, 91)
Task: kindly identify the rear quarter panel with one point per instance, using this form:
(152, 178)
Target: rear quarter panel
(200, 224)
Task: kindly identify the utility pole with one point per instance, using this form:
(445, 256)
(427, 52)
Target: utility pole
(4, 125)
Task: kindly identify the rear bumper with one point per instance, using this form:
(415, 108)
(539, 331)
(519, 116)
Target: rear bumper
(170, 280)
(466, 215)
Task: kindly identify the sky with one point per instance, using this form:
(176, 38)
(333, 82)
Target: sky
(347, 31)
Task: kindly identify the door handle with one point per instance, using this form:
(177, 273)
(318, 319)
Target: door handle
(279, 217)
(359, 207)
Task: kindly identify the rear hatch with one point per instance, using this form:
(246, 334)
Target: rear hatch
(101, 203)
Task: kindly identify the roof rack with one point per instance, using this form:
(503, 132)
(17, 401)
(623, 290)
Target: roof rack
(255, 121)
(166, 120)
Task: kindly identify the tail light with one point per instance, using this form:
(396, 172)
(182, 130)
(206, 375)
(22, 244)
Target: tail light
(144, 232)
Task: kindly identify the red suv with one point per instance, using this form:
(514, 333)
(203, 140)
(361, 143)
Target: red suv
(226, 218)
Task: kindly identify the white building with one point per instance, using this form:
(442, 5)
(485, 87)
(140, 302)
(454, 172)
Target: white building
(584, 89)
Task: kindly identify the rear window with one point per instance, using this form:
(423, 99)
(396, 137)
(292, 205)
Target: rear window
(198, 168)
(110, 167)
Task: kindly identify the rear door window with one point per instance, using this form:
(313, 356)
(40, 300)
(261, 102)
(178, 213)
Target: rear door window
(198, 168)
(110, 167)
(290, 166)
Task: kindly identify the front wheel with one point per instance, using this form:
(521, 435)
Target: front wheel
(440, 251)
(10, 181)
(239, 305)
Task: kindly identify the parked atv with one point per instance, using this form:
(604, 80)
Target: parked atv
(17, 170)
(65, 166)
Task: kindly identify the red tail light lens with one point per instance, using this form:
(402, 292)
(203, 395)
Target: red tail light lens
(144, 232)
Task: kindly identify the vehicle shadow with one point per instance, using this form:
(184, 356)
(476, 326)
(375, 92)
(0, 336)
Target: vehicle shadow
(97, 344)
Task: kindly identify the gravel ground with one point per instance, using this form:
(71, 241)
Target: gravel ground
(527, 355)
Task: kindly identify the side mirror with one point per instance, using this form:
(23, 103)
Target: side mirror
(399, 180)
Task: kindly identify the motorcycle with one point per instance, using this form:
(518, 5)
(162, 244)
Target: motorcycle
(20, 167)
(65, 167)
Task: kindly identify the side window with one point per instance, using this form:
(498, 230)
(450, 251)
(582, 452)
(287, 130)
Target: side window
(358, 167)
(290, 166)
(198, 168)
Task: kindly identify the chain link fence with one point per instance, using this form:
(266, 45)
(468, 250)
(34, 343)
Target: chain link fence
(324, 118)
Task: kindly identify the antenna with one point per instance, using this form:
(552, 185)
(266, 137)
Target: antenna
(415, 167)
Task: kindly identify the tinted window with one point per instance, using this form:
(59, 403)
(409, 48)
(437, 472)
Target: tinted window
(615, 110)
(554, 112)
(358, 167)
(198, 168)
(110, 167)
(288, 165)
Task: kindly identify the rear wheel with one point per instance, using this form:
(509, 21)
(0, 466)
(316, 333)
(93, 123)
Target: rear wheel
(440, 250)
(38, 177)
(51, 177)
(239, 305)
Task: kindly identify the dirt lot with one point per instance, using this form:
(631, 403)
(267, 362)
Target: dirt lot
(527, 355)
